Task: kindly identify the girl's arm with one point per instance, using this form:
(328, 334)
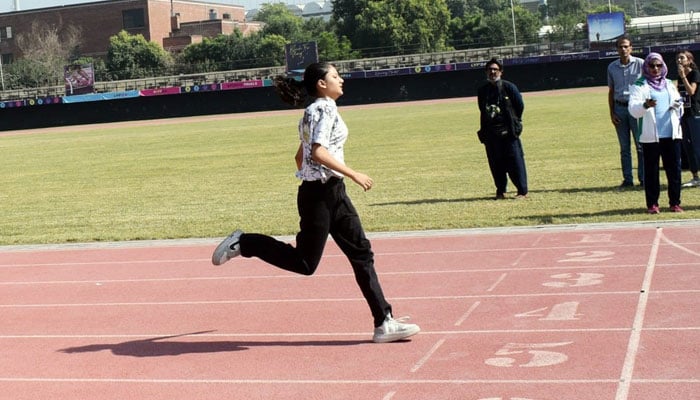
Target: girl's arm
(638, 101)
(690, 87)
(321, 155)
(299, 157)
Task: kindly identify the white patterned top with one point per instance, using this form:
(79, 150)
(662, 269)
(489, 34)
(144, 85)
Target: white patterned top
(323, 125)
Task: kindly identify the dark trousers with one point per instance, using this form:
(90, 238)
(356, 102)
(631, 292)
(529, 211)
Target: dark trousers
(691, 140)
(506, 159)
(324, 208)
(669, 151)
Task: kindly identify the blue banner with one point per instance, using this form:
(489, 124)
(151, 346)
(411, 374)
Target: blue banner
(80, 98)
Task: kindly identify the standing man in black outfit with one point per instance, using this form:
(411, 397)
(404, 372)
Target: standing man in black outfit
(501, 107)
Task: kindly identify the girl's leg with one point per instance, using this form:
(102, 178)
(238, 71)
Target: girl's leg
(314, 226)
(688, 149)
(346, 230)
(671, 157)
(693, 124)
(651, 173)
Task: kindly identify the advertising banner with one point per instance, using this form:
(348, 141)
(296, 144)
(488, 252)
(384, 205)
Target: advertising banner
(160, 91)
(604, 29)
(299, 55)
(241, 84)
(101, 96)
(80, 79)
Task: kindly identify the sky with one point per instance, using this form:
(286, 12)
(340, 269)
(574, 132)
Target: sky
(9, 5)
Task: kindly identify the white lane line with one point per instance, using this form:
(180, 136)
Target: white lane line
(638, 324)
(313, 381)
(389, 396)
(316, 300)
(468, 313)
(420, 271)
(678, 246)
(498, 281)
(339, 255)
(520, 258)
(427, 355)
(337, 335)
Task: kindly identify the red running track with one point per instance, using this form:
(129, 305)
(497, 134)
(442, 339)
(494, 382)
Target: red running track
(585, 313)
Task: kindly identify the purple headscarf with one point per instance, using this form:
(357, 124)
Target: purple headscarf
(657, 82)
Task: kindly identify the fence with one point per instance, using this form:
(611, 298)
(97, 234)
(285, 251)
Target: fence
(642, 36)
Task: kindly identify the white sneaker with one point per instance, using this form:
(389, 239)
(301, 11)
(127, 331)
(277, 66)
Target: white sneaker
(392, 330)
(695, 182)
(227, 249)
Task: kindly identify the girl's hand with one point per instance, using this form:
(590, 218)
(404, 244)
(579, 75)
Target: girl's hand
(363, 180)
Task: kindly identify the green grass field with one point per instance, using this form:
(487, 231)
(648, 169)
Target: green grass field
(199, 179)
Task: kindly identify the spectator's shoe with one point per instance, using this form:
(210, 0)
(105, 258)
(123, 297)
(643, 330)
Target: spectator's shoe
(392, 330)
(695, 182)
(653, 210)
(521, 197)
(500, 196)
(676, 209)
(227, 249)
(625, 186)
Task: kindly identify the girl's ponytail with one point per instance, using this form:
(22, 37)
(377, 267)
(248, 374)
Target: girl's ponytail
(297, 93)
(291, 91)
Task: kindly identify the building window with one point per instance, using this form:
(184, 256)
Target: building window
(7, 58)
(133, 18)
(5, 32)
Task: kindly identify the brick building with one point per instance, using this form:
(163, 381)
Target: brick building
(171, 23)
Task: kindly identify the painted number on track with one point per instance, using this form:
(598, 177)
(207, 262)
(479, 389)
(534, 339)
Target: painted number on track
(559, 312)
(575, 280)
(528, 355)
(588, 256)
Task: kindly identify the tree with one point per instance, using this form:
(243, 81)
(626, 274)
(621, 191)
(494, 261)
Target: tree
(44, 52)
(485, 23)
(401, 26)
(345, 14)
(272, 49)
(464, 30)
(654, 8)
(567, 18)
(132, 56)
(280, 21)
(224, 52)
(330, 48)
(568, 7)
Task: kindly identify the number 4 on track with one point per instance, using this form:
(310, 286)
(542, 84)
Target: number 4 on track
(559, 312)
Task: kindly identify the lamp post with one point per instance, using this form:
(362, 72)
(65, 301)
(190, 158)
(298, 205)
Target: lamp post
(512, 15)
(2, 75)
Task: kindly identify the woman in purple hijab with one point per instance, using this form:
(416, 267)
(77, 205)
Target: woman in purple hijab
(657, 105)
